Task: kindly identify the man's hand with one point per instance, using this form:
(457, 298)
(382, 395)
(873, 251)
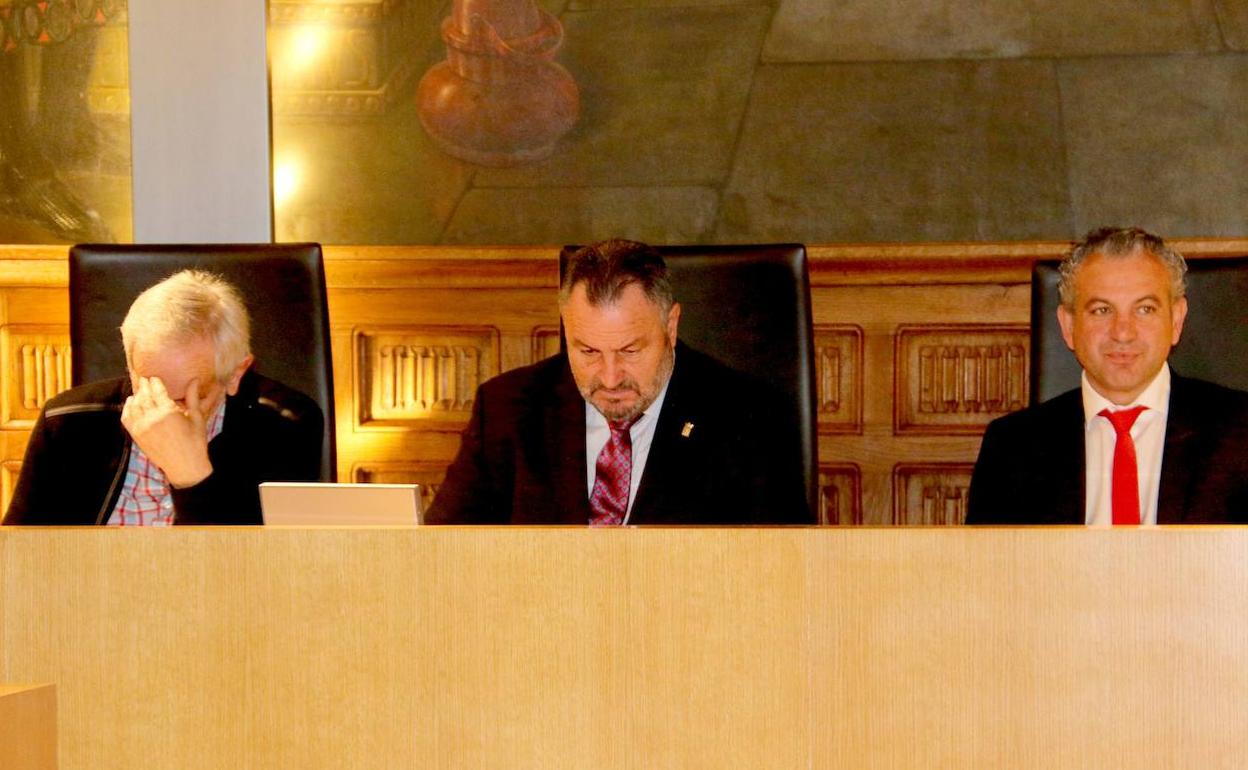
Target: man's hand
(172, 437)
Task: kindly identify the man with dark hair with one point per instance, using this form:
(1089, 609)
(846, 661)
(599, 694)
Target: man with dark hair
(1136, 443)
(628, 426)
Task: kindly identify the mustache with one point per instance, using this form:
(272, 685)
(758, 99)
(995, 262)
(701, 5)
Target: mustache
(629, 384)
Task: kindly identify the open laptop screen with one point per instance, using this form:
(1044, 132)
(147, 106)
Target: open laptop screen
(309, 504)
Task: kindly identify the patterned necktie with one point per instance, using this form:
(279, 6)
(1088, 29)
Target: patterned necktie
(613, 474)
(1126, 485)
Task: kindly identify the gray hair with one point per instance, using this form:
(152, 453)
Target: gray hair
(1121, 242)
(608, 267)
(186, 306)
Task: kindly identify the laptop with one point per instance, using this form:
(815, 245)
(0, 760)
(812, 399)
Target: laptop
(303, 503)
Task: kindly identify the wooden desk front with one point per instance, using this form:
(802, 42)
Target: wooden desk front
(677, 648)
(27, 727)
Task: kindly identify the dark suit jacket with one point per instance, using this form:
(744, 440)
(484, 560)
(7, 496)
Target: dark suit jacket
(79, 452)
(1031, 464)
(522, 457)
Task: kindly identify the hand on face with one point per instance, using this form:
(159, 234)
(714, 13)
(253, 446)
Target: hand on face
(173, 437)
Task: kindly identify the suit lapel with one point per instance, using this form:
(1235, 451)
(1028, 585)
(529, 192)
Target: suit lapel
(1176, 460)
(1066, 457)
(664, 466)
(565, 424)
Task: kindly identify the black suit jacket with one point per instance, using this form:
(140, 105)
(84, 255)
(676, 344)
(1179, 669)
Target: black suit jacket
(522, 457)
(1031, 465)
(79, 452)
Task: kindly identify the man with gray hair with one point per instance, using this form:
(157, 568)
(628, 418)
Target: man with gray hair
(628, 426)
(186, 438)
(1136, 443)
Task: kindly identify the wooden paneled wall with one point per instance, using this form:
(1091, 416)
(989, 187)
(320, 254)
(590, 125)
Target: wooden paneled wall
(918, 347)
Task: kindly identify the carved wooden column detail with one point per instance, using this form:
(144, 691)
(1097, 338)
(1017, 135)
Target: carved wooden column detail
(838, 378)
(931, 494)
(840, 494)
(421, 377)
(955, 379)
(37, 368)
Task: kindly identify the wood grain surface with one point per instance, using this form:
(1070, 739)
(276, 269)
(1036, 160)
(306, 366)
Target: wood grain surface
(661, 648)
(27, 727)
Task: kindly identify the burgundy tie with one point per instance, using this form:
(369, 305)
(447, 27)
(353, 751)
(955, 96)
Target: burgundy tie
(1126, 486)
(613, 474)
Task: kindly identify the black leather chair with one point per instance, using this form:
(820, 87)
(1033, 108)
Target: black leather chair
(1214, 345)
(282, 284)
(749, 306)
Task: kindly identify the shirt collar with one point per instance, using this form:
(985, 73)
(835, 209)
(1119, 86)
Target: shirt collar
(216, 421)
(1156, 396)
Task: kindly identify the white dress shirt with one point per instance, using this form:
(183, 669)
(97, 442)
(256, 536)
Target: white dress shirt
(1149, 435)
(597, 432)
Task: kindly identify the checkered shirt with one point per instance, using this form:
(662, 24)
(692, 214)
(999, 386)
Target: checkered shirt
(146, 499)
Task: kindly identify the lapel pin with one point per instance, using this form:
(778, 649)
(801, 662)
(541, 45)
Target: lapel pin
(685, 431)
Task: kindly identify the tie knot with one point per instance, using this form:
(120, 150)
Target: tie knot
(1122, 420)
(621, 426)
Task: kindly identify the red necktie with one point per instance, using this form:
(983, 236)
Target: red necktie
(613, 474)
(1126, 487)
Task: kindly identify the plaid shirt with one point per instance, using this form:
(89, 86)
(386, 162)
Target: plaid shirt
(146, 499)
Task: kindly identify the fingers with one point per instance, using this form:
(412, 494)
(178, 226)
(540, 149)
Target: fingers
(157, 388)
(129, 411)
(145, 394)
(142, 392)
(151, 395)
(192, 405)
(192, 396)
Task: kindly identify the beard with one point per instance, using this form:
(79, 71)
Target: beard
(629, 399)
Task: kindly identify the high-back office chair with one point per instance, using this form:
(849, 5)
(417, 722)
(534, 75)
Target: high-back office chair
(282, 284)
(1214, 345)
(749, 306)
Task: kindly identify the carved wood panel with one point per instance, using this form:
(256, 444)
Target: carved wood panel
(428, 475)
(840, 494)
(931, 494)
(9, 471)
(422, 378)
(838, 378)
(956, 379)
(545, 340)
(37, 367)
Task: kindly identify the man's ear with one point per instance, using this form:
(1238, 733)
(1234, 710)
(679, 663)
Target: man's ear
(673, 320)
(1178, 314)
(231, 387)
(1066, 320)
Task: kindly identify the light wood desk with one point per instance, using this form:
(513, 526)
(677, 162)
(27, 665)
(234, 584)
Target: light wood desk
(27, 727)
(662, 648)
